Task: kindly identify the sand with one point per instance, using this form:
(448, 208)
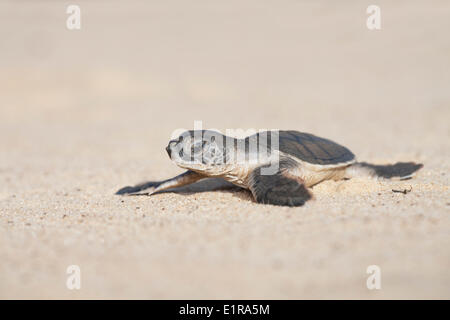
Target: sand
(83, 113)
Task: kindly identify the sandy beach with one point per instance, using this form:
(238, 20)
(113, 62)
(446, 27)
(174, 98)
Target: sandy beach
(86, 112)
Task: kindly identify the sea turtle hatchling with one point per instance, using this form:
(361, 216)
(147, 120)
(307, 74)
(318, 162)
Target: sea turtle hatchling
(277, 167)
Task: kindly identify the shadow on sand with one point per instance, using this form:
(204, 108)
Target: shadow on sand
(403, 170)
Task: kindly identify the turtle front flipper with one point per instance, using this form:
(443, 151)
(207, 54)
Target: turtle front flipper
(138, 187)
(183, 179)
(279, 188)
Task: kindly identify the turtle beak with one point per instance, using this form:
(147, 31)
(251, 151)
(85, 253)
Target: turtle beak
(169, 147)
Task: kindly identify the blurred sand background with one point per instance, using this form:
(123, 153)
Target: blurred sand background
(83, 113)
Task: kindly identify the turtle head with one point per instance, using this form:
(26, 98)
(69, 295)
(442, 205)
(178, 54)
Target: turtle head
(198, 150)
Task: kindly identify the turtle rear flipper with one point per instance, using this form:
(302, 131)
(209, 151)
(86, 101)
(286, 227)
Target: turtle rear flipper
(397, 171)
(278, 189)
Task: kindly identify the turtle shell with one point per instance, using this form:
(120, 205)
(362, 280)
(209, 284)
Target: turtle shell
(313, 149)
